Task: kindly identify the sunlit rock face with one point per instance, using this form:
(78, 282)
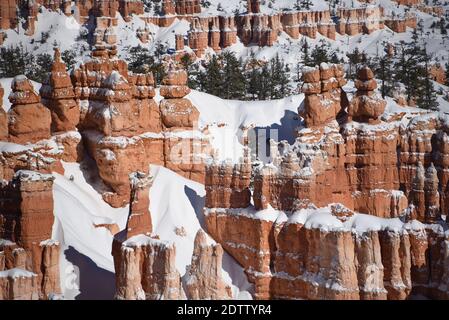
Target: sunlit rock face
(351, 210)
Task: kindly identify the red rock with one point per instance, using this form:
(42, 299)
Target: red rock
(139, 220)
(204, 276)
(18, 284)
(324, 98)
(59, 97)
(29, 120)
(145, 269)
(366, 106)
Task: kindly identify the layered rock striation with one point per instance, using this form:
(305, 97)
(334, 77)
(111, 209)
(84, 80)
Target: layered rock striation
(303, 236)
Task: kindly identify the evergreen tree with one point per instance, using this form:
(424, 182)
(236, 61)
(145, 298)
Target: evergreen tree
(384, 72)
(212, 78)
(68, 57)
(279, 79)
(140, 60)
(447, 74)
(306, 60)
(355, 61)
(253, 86)
(265, 83)
(320, 53)
(233, 80)
(409, 68)
(15, 61)
(427, 98)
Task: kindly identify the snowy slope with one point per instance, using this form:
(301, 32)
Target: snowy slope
(175, 203)
(225, 118)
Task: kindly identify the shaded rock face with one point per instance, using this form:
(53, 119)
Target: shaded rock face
(8, 14)
(400, 24)
(145, 270)
(203, 279)
(18, 284)
(3, 118)
(26, 221)
(59, 97)
(139, 221)
(28, 119)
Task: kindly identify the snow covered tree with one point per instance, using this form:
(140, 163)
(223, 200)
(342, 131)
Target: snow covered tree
(306, 60)
(447, 74)
(68, 57)
(41, 68)
(356, 60)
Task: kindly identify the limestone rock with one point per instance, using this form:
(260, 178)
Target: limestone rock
(29, 121)
(59, 97)
(203, 278)
(145, 269)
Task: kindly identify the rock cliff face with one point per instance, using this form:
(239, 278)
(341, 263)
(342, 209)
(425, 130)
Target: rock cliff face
(203, 279)
(145, 269)
(125, 130)
(58, 96)
(28, 119)
(302, 238)
(219, 31)
(30, 260)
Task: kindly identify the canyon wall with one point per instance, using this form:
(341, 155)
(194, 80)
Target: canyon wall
(30, 267)
(303, 237)
(217, 31)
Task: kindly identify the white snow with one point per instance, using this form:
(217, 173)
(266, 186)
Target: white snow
(17, 273)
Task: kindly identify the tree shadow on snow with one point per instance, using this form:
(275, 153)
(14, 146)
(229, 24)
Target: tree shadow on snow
(94, 283)
(197, 203)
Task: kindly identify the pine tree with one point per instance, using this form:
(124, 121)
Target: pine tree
(447, 73)
(427, 98)
(68, 57)
(306, 60)
(443, 26)
(279, 79)
(320, 54)
(355, 61)
(385, 74)
(265, 83)
(15, 61)
(233, 79)
(212, 80)
(253, 83)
